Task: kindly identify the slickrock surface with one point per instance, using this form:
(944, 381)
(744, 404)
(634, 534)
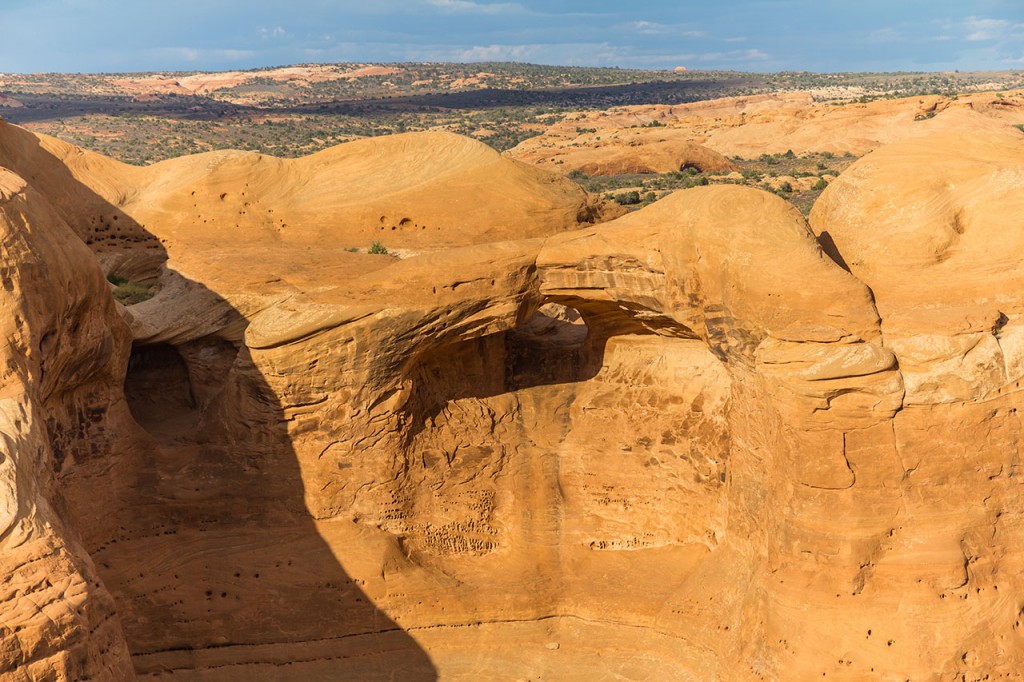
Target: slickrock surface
(685, 444)
(770, 124)
(624, 152)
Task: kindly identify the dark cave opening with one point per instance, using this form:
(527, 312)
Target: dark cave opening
(159, 390)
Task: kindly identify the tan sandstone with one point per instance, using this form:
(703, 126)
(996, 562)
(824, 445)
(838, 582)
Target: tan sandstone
(704, 440)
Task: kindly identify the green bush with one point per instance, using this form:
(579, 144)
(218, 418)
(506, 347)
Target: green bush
(628, 198)
(821, 184)
(130, 293)
(377, 248)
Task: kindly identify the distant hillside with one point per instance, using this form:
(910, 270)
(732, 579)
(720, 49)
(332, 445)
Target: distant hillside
(290, 111)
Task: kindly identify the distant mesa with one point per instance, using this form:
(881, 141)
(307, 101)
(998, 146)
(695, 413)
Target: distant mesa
(680, 69)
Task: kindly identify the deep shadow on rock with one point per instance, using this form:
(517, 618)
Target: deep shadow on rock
(188, 497)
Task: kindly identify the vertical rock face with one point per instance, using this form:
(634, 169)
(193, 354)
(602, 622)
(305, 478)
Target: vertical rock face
(942, 256)
(686, 444)
(60, 386)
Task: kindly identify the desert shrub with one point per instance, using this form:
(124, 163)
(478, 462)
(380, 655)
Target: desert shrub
(130, 293)
(628, 198)
(821, 184)
(377, 248)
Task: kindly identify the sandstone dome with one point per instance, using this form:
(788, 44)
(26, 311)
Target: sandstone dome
(704, 440)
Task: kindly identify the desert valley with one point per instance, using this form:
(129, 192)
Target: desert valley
(593, 374)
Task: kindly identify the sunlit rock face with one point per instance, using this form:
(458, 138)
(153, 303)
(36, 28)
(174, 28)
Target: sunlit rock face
(688, 443)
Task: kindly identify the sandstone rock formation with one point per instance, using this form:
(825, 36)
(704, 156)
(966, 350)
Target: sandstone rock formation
(206, 83)
(62, 376)
(773, 124)
(627, 151)
(705, 440)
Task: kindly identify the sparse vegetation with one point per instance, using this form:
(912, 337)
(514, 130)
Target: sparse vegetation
(628, 198)
(377, 248)
(500, 104)
(752, 173)
(130, 293)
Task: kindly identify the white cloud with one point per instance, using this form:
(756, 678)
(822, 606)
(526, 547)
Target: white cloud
(275, 32)
(981, 29)
(568, 54)
(472, 7)
(652, 28)
(497, 53)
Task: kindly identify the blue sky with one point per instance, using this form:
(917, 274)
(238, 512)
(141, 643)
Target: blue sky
(747, 35)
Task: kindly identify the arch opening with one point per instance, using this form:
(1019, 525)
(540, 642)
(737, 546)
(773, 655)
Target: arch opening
(159, 391)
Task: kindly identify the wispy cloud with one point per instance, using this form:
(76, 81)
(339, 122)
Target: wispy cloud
(653, 28)
(497, 53)
(980, 29)
(60, 34)
(275, 32)
(471, 7)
